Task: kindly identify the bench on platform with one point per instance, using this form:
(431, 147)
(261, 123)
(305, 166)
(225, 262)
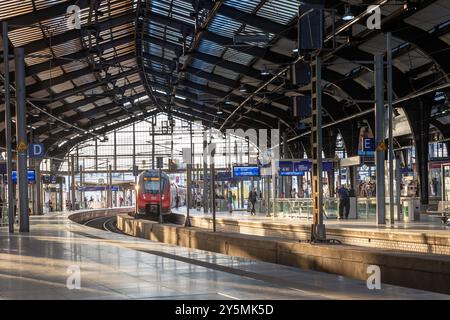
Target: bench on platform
(443, 212)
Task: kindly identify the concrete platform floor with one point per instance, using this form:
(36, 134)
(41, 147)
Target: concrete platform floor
(113, 266)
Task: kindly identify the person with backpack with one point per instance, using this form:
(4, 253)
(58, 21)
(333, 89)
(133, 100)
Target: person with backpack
(344, 201)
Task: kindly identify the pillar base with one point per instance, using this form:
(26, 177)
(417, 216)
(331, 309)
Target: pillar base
(318, 233)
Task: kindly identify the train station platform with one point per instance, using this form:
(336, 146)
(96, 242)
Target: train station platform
(116, 266)
(426, 236)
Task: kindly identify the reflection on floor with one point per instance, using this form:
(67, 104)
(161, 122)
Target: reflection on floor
(111, 266)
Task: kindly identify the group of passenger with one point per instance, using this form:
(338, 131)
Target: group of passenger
(367, 189)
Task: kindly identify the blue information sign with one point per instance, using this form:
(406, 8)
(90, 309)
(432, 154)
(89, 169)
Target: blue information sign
(31, 175)
(302, 166)
(285, 166)
(224, 176)
(246, 171)
(97, 188)
(368, 147)
(298, 168)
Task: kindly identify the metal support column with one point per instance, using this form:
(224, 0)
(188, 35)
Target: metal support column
(241, 189)
(8, 131)
(38, 188)
(318, 232)
(61, 196)
(391, 120)
(160, 216)
(213, 195)
(398, 175)
(21, 134)
(110, 199)
(81, 187)
(96, 155)
(115, 150)
(187, 222)
(284, 180)
(379, 139)
(72, 181)
(135, 169)
(205, 174)
(153, 142)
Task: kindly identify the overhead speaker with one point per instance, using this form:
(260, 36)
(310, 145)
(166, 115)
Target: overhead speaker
(302, 107)
(311, 26)
(301, 74)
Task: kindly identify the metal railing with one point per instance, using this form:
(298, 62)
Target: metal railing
(4, 214)
(301, 208)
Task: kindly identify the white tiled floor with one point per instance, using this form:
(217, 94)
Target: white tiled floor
(113, 266)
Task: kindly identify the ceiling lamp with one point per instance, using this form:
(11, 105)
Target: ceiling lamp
(265, 72)
(348, 15)
(242, 88)
(219, 110)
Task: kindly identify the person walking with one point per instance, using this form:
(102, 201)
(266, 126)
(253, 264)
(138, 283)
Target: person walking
(344, 202)
(252, 199)
(177, 200)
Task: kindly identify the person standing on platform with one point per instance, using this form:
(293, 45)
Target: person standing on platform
(253, 197)
(294, 193)
(177, 200)
(344, 201)
(230, 201)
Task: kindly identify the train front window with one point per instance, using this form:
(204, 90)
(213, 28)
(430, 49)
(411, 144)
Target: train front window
(151, 185)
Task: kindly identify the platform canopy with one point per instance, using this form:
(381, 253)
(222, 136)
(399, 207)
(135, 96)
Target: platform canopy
(132, 59)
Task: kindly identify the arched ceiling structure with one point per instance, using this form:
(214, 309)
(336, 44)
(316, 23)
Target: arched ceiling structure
(135, 58)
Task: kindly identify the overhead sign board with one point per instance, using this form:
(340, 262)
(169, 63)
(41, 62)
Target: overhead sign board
(31, 175)
(224, 176)
(298, 168)
(246, 171)
(52, 179)
(97, 188)
(368, 147)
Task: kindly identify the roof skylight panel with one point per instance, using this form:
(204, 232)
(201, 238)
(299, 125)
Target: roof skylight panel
(281, 11)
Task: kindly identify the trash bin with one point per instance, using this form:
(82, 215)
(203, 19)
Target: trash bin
(411, 210)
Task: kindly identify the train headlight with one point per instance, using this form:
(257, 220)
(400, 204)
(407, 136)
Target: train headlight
(162, 197)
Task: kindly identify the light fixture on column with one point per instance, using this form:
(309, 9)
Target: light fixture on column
(265, 72)
(348, 15)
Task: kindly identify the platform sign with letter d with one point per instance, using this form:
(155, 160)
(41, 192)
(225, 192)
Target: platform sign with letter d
(36, 150)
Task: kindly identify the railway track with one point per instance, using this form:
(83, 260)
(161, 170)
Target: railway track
(104, 223)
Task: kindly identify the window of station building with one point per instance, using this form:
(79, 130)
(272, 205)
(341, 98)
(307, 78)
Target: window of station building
(118, 149)
(438, 150)
(340, 147)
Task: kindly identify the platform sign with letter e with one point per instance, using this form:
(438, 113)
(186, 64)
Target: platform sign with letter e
(36, 150)
(368, 147)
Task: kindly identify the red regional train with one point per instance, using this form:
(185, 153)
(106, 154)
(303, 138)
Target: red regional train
(148, 193)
